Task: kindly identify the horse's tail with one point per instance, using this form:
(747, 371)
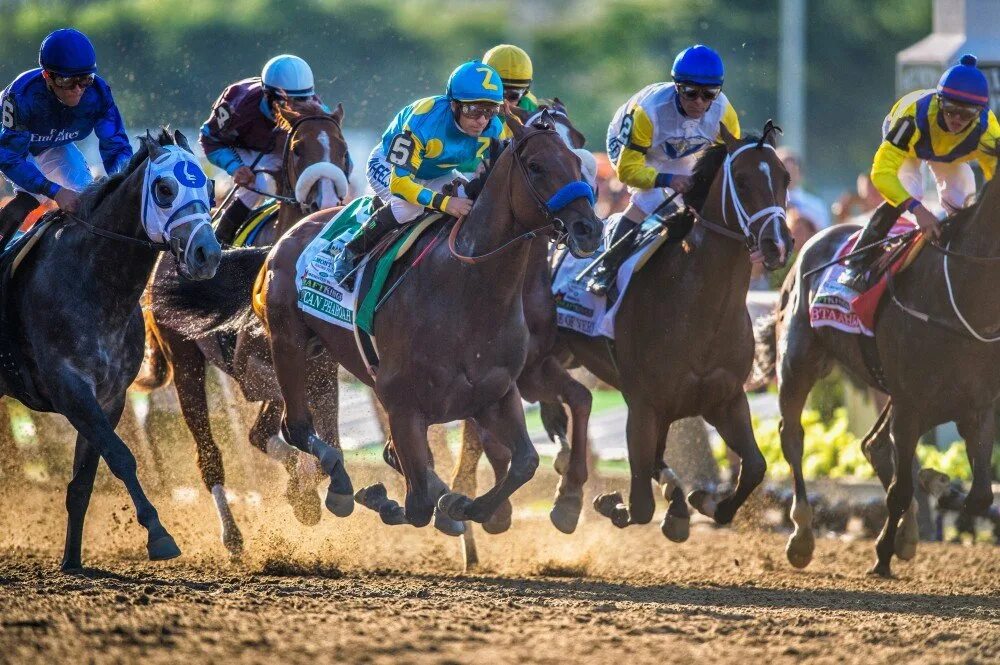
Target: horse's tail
(155, 372)
(221, 304)
(765, 354)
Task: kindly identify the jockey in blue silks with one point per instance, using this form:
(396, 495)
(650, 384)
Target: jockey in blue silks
(45, 111)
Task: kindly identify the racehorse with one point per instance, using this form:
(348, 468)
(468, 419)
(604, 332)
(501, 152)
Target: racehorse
(933, 337)
(683, 343)
(86, 276)
(316, 162)
(452, 338)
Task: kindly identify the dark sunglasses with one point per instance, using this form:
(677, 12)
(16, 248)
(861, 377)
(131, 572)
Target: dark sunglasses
(693, 92)
(514, 94)
(68, 82)
(960, 111)
(479, 110)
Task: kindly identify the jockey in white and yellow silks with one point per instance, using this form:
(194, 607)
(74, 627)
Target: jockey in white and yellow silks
(655, 138)
(419, 154)
(948, 128)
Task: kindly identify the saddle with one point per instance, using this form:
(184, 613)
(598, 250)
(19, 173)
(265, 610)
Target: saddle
(259, 218)
(12, 367)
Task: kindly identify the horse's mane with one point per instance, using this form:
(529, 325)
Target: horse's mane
(706, 168)
(94, 193)
(285, 117)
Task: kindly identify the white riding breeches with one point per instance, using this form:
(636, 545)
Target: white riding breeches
(955, 181)
(64, 165)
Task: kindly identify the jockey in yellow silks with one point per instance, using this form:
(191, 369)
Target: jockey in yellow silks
(947, 127)
(516, 71)
(654, 141)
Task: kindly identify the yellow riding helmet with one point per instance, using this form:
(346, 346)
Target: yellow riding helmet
(513, 64)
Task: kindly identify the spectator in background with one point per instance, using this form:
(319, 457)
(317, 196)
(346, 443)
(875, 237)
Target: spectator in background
(857, 207)
(807, 213)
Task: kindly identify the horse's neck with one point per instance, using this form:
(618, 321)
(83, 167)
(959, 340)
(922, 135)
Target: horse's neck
(120, 267)
(724, 262)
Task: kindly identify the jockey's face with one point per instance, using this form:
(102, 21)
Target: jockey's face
(957, 116)
(70, 94)
(475, 121)
(696, 99)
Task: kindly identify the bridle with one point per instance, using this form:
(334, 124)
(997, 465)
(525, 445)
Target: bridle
(547, 207)
(287, 186)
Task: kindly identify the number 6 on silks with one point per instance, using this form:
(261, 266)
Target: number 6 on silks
(401, 150)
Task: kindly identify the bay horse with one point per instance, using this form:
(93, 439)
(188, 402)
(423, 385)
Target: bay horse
(934, 337)
(73, 324)
(316, 164)
(683, 342)
(452, 338)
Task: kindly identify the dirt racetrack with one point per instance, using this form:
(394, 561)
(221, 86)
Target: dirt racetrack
(356, 591)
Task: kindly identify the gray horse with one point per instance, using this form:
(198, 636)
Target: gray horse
(932, 338)
(73, 328)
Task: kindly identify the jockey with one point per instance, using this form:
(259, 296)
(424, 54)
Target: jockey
(45, 111)
(947, 128)
(419, 152)
(242, 128)
(514, 67)
(654, 141)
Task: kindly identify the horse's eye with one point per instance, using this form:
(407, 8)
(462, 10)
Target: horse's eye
(535, 167)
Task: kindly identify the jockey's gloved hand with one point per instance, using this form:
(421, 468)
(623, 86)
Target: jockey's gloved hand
(456, 187)
(679, 224)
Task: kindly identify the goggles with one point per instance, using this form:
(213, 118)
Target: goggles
(479, 110)
(693, 92)
(960, 111)
(514, 95)
(69, 82)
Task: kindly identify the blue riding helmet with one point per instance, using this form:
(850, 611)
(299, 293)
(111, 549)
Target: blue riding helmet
(475, 81)
(965, 83)
(67, 52)
(698, 65)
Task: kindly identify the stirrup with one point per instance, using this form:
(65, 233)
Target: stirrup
(601, 281)
(344, 269)
(855, 279)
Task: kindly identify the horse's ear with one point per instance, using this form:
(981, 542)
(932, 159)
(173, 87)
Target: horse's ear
(515, 127)
(770, 133)
(732, 143)
(558, 105)
(153, 146)
(544, 121)
(181, 140)
(338, 113)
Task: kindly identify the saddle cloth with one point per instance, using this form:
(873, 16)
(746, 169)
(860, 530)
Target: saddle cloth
(318, 293)
(837, 306)
(259, 218)
(580, 310)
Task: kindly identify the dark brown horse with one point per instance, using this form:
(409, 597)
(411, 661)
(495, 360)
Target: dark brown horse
(933, 343)
(315, 166)
(684, 345)
(452, 338)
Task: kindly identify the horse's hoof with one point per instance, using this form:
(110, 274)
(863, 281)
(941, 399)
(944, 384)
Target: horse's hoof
(163, 548)
(446, 525)
(668, 482)
(703, 502)
(392, 514)
(70, 565)
(799, 549)
(605, 504)
(676, 529)
(372, 497)
(454, 505)
(565, 514)
(561, 462)
(933, 482)
(340, 505)
(881, 570)
(500, 520)
(233, 542)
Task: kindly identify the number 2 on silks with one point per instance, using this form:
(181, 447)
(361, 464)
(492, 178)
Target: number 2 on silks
(8, 114)
(401, 150)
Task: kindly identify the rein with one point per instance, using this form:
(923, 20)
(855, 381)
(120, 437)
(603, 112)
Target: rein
(120, 237)
(566, 195)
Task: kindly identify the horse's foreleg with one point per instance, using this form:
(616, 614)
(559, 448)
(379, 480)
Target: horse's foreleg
(85, 462)
(877, 448)
(979, 432)
(900, 495)
(676, 524)
(189, 379)
(464, 482)
(288, 335)
(409, 443)
(74, 397)
(505, 423)
(732, 421)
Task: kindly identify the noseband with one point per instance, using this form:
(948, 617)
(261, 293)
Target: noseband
(772, 216)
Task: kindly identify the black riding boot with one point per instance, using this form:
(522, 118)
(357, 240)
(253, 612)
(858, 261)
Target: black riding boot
(877, 228)
(376, 228)
(605, 274)
(13, 215)
(233, 217)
